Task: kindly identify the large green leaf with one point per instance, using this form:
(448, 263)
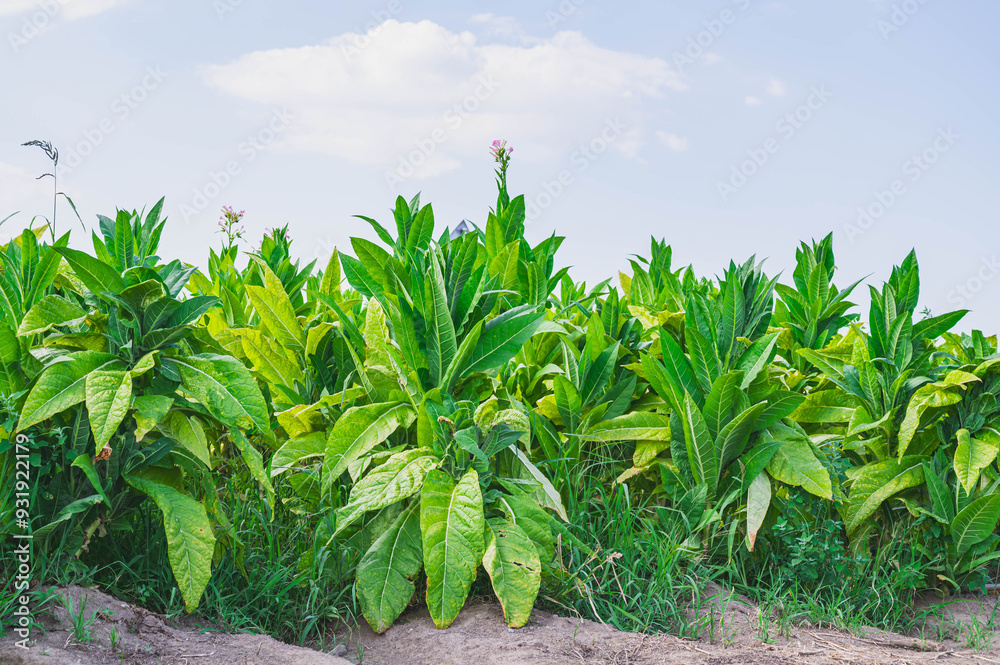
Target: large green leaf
(61, 386)
(109, 396)
(975, 523)
(733, 438)
(269, 358)
(971, 457)
(700, 447)
(524, 512)
(386, 571)
(96, 275)
(503, 337)
(877, 482)
(719, 402)
(190, 540)
(360, 429)
(50, 311)
(298, 449)
(795, 463)
(400, 477)
(512, 563)
(189, 432)
(451, 524)
(276, 310)
(635, 426)
(225, 387)
(441, 342)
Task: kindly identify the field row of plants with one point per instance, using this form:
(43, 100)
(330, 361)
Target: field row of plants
(435, 414)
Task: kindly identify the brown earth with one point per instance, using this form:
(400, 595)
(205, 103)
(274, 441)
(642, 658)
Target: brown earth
(953, 633)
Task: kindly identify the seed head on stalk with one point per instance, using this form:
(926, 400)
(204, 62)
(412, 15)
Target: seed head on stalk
(52, 154)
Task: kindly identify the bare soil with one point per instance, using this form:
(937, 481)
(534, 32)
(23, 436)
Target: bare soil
(953, 633)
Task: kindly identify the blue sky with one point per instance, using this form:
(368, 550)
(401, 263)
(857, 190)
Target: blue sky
(729, 127)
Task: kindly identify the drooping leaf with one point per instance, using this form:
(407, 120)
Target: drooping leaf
(451, 525)
(360, 429)
(386, 572)
(877, 482)
(512, 563)
(109, 396)
(190, 540)
(225, 387)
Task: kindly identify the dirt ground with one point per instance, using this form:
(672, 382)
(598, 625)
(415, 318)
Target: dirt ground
(953, 633)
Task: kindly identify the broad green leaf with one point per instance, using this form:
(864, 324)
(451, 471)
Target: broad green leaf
(149, 409)
(795, 463)
(225, 387)
(276, 310)
(269, 359)
(96, 275)
(753, 361)
(638, 425)
(451, 525)
(190, 540)
(733, 438)
(330, 286)
(719, 402)
(189, 432)
(533, 520)
(50, 311)
(503, 337)
(877, 482)
(400, 477)
(568, 402)
(440, 336)
(297, 449)
(700, 447)
(975, 523)
(930, 398)
(758, 501)
(826, 406)
(61, 386)
(514, 568)
(386, 572)
(360, 429)
(109, 397)
(971, 457)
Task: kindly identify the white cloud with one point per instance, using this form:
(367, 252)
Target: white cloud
(776, 88)
(752, 101)
(375, 98)
(672, 141)
(71, 9)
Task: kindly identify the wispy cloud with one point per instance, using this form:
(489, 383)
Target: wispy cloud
(413, 79)
(672, 141)
(71, 9)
